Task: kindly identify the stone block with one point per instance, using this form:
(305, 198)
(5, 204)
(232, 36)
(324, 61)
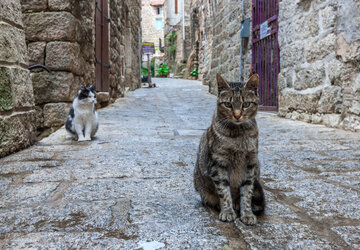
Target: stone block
(75, 87)
(339, 73)
(22, 89)
(355, 107)
(348, 20)
(331, 100)
(329, 17)
(12, 44)
(50, 26)
(55, 114)
(290, 100)
(349, 52)
(305, 117)
(10, 10)
(39, 117)
(64, 56)
(60, 4)
(309, 77)
(331, 120)
(305, 27)
(36, 53)
(52, 87)
(291, 55)
(17, 131)
(102, 97)
(356, 86)
(316, 118)
(319, 49)
(351, 122)
(316, 4)
(33, 5)
(6, 102)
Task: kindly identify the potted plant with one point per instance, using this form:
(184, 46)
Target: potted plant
(195, 73)
(163, 70)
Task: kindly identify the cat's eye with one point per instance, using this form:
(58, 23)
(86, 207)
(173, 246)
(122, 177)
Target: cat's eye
(228, 104)
(246, 104)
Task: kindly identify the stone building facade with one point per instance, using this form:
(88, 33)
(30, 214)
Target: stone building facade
(178, 18)
(215, 40)
(62, 36)
(125, 39)
(153, 21)
(17, 114)
(319, 44)
(319, 80)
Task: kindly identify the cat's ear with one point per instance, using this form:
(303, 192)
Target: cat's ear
(222, 84)
(253, 82)
(92, 88)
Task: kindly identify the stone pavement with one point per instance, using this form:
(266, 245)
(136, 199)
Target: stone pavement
(131, 188)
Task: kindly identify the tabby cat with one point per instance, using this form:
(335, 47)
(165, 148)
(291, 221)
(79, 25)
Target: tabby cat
(82, 121)
(227, 169)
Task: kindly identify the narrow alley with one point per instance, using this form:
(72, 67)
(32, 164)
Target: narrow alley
(131, 187)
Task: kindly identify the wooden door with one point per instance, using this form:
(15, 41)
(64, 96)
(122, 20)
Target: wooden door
(102, 61)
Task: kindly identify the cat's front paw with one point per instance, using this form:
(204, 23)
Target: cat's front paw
(227, 215)
(248, 218)
(82, 139)
(87, 138)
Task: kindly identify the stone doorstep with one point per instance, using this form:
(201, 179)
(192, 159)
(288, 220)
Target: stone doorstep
(103, 99)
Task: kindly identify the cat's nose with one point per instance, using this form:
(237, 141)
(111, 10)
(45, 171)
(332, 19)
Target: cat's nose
(237, 114)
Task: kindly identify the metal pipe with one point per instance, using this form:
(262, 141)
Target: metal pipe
(39, 66)
(241, 43)
(140, 57)
(183, 31)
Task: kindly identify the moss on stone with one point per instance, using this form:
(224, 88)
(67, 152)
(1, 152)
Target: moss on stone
(6, 102)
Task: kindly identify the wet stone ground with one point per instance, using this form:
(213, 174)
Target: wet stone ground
(131, 188)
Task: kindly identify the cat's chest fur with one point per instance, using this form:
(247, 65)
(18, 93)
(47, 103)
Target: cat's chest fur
(84, 114)
(233, 151)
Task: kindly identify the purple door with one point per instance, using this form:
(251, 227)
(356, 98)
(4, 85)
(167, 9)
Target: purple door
(265, 51)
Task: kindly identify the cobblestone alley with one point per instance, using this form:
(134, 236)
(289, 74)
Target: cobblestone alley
(131, 188)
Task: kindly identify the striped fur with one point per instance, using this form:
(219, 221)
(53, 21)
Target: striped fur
(227, 169)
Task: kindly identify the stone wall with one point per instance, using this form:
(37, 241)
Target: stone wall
(148, 25)
(319, 80)
(175, 21)
(319, 54)
(217, 38)
(59, 34)
(125, 31)
(17, 115)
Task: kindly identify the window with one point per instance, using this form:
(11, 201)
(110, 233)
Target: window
(158, 11)
(176, 6)
(159, 24)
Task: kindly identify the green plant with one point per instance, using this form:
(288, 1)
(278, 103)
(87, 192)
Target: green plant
(152, 66)
(144, 71)
(195, 72)
(163, 70)
(170, 43)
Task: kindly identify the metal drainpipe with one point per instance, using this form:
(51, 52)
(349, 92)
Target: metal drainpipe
(205, 50)
(183, 31)
(140, 57)
(241, 43)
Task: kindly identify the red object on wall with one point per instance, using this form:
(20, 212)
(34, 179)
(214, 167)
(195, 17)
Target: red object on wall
(265, 51)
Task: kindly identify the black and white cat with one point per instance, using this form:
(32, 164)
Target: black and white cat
(82, 121)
